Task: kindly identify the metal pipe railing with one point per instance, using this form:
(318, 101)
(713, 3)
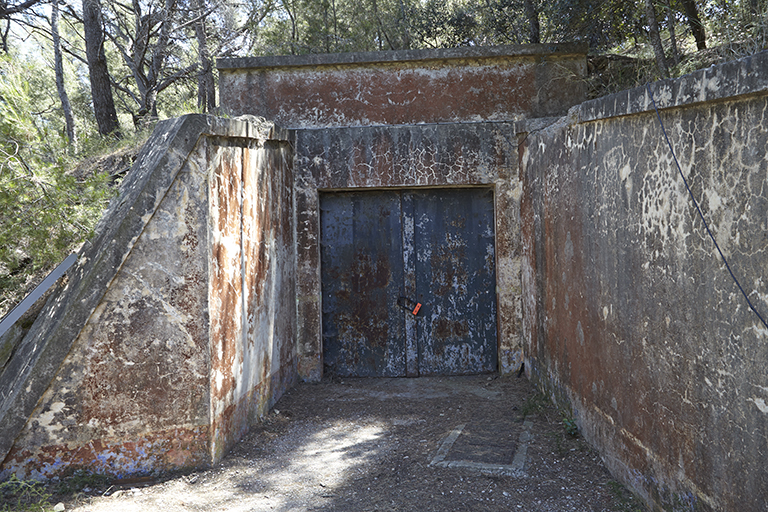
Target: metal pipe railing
(11, 318)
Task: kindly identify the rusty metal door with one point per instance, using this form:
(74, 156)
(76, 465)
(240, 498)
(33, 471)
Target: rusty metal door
(455, 281)
(385, 249)
(363, 328)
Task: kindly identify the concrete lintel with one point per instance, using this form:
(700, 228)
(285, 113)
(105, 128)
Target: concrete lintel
(357, 58)
(246, 126)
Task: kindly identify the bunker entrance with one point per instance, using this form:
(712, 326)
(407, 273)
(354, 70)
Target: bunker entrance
(408, 282)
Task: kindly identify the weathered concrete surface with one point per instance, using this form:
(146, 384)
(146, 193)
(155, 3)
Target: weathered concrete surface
(252, 285)
(717, 83)
(35, 363)
(630, 317)
(405, 87)
(367, 120)
(452, 155)
(139, 370)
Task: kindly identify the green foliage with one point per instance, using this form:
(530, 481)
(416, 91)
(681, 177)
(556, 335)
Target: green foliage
(329, 26)
(570, 426)
(601, 24)
(24, 495)
(439, 24)
(81, 479)
(740, 26)
(44, 210)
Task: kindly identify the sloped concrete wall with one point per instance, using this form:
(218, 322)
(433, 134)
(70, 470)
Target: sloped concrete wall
(631, 319)
(175, 329)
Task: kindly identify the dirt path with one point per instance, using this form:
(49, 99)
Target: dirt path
(428, 444)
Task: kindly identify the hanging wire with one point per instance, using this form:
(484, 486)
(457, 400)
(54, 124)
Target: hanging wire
(696, 204)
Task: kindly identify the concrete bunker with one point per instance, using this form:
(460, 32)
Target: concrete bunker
(198, 303)
(407, 120)
(597, 261)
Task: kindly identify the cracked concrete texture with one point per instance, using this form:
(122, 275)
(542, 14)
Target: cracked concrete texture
(430, 155)
(152, 358)
(632, 316)
(406, 87)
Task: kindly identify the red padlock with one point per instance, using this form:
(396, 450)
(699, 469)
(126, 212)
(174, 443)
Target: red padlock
(411, 305)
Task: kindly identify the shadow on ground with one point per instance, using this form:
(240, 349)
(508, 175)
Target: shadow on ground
(428, 444)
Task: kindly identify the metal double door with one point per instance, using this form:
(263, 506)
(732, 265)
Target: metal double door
(408, 282)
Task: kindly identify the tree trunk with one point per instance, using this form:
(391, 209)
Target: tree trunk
(697, 28)
(5, 36)
(294, 34)
(147, 110)
(58, 67)
(533, 22)
(672, 34)
(335, 27)
(405, 23)
(101, 87)
(326, 29)
(381, 34)
(653, 32)
(206, 92)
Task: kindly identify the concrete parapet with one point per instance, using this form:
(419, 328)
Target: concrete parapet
(407, 87)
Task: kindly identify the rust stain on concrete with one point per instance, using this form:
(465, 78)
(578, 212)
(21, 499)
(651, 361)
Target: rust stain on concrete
(194, 338)
(631, 319)
(459, 85)
(408, 157)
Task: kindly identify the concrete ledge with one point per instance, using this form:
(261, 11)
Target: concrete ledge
(736, 78)
(331, 59)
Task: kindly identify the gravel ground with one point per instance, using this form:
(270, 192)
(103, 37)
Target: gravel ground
(428, 444)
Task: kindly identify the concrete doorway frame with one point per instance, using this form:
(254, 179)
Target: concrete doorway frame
(450, 155)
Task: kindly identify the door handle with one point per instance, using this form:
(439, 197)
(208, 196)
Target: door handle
(411, 305)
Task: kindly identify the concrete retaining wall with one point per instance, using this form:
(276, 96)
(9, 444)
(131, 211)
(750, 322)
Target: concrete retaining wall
(631, 319)
(176, 328)
(500, 83)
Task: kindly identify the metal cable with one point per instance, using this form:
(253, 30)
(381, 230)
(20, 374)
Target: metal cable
(696, 204)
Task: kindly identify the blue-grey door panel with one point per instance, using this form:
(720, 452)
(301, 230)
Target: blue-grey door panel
(435, 247)
(363, 328)
(456, 281)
